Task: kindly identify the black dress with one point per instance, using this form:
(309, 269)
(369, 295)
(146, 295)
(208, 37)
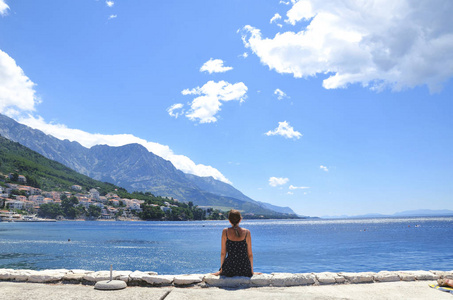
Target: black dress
(237, 262)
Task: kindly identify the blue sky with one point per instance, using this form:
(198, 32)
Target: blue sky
(329, 107)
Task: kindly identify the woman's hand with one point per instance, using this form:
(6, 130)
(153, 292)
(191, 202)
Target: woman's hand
(217, 273)
(257, 273)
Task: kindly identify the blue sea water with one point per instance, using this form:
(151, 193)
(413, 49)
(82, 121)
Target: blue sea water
(194, 247)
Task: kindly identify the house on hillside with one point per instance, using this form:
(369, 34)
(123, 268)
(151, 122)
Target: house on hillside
(94, 194)
(28, 205)
(21, 198)
(165, 208)
(14, 204)
(111, 195)
(55, 195)
(22, 179)
(76, 187)
(13, 186)
(134, 205)
(37, 199)
(86, 203)
(48, 200)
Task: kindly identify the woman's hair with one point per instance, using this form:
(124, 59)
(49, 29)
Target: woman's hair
(235, 216)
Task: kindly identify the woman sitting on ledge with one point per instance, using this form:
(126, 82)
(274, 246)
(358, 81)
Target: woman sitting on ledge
(237, 243)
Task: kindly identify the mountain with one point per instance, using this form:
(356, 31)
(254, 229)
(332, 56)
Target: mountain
(134, 168)
(43, 172)
(211, 185)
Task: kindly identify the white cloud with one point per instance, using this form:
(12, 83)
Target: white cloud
(280, 94)
(205, 107)
(109, 3)
(214, 66)
(275, 18)
(88, 140)
(284, 2)
(324, 168)
(285, 130)
(292, 187)
(112, 17)
(176, 110)
(378, 44)
(3, 8)
(290, 193)
(244, 55)
(16, 89)
(276, 181)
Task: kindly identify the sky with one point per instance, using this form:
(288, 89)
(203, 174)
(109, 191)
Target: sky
(328, 107)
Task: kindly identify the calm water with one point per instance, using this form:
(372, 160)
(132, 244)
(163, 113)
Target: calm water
(194, 247)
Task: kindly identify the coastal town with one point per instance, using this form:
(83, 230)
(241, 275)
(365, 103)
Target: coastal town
(22, 202)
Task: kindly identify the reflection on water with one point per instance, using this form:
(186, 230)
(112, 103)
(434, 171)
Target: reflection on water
(194, 247)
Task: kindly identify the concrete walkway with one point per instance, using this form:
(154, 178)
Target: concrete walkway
(388, 290)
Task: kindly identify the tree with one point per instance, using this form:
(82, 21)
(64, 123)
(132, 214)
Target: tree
(150, 212)
(119, 213)
(50, 210)
(14, 177)
(69, 209)
(94, 211)
(31, 181)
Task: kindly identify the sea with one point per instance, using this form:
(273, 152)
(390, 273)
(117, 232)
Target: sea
(294, 246)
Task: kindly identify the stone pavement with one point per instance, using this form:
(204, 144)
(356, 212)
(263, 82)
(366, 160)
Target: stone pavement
(382, 290)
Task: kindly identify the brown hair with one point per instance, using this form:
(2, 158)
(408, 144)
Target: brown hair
(235, 216)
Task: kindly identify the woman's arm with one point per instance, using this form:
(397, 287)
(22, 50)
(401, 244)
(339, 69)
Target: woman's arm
(222, 251)
(250, 253)
(249, 248)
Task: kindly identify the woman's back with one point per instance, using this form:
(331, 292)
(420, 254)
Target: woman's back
(237, 262)
(231, 233)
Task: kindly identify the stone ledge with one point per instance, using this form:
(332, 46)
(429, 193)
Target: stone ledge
(151, 279)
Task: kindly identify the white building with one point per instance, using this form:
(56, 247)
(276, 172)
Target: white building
(165, 208)
(14, 204)
(94, 194)
(76, 187)
(38, 199)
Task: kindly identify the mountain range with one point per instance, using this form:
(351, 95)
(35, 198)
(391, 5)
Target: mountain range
(134, 168)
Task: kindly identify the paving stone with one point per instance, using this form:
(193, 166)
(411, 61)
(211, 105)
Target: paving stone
(406, 275)
(5, 274)
(261, 280)
(292, 279)
(327, 277)
(363, 277)
(188, 279)
(222, 281)
(443, 274)
(159, 279)
(46, 276)
(20, 275)
(386, 276)
(425, 275)
(73, 277)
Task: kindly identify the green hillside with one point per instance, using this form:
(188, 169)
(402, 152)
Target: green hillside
(44, 173)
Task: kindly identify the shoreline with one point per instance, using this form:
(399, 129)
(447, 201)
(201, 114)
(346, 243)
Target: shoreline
(152, 279)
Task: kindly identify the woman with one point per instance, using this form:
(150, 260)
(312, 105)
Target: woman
(237, 243)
